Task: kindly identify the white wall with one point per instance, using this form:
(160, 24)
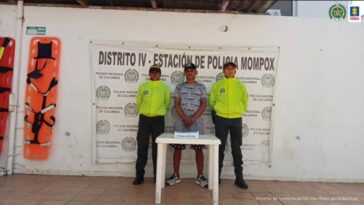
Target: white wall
(318, 131)
(8, 20)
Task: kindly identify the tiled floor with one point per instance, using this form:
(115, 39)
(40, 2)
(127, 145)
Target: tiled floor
(60, 190)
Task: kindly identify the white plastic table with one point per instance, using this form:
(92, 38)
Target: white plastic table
(213, 178)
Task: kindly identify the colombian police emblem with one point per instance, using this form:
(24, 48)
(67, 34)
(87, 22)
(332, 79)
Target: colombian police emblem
(103, 93)
(102, 127)
(337, 12)
(177, 77)
(131, 109)
(222, 91)
(128, 144)
(131, 76)
(267, 80)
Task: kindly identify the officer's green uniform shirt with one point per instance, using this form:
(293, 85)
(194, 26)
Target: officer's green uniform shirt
(153, 98)
(229, 98)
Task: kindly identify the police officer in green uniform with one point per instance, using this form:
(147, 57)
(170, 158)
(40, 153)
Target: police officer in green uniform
(229, 100)
(153, 102)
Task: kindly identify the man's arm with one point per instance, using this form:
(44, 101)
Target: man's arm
(167, 98)
(212, 100)
(177, 106)
(200, 110)
(244, 98)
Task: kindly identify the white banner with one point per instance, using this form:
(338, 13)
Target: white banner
(118, 68)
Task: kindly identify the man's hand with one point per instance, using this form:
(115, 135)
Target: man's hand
(188, 121)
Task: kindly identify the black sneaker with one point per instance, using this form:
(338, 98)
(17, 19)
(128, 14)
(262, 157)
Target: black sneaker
(174, 179)
(138, 180)
(202, 181)
(241, 183)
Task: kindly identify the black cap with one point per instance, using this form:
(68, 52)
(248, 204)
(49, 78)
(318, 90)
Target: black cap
(229, 64)
(155, 68)
(189, 66)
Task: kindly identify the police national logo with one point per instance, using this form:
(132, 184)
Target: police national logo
(131, 76)
(219, 76)
(267, 113)
(177, 77)
(103, 93)
(131, 109)
(267, 80)
(222, 91)
(245, 130)
(354, 14)
(337, 12)
(102, 127)
(128, 144)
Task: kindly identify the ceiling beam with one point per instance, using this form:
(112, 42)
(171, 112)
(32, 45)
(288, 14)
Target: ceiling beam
(239, 5)
(264, 7)
(253, 5)
(261, 6)
(224, 4)
(9, 1)
(154, 4)
(83, 2)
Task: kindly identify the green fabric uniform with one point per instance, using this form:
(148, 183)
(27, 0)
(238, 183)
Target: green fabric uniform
(229, 98)
(153, 98)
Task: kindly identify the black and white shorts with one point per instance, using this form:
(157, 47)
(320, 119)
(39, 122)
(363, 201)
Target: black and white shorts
(193, 146)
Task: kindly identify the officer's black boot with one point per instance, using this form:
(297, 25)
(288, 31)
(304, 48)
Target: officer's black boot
(239, 180)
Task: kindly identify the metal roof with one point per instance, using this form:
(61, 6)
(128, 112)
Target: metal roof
(238, 6)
